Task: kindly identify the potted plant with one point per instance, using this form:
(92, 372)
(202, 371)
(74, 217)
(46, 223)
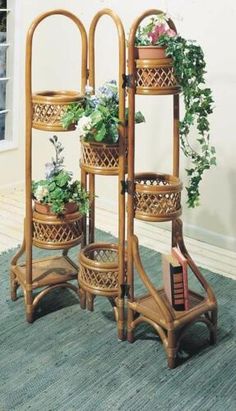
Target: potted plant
(97, 121)
(58, 194)
(189, 70)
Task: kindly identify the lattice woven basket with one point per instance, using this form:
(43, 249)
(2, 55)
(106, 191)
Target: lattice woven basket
(52, 232)
(49, 106)
(157, 197)
(100, 158)
(99, 269)
(156, 77)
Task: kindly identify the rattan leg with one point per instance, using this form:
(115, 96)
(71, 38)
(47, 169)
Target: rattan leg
(29, 306)
(90, 301)
(130, 330)
(120, 318)
(114, 306)
(171, 348)
(14, 285)
(82, 298)
(214, 329)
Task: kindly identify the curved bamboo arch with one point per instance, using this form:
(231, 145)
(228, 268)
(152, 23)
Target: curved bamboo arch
(28, 95)
(122, 147)
(121, 38)
(29, 43)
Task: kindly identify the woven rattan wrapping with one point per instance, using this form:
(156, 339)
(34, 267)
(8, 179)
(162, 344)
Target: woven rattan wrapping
(48, 115)
(55, 233)
(157, 197)
(49, 106)
(101, 158)
(99, 267)
(155, 76)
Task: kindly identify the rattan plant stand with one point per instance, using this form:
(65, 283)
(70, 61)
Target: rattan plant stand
(157, 197)
(43, 111)
(102, 266)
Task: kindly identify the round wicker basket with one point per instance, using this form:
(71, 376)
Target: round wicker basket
(156, 76)
(100, 158)
(49, 106)
(53, 232)
(98, 272)
(157, 197)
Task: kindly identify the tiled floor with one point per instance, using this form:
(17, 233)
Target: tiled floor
(205, 255)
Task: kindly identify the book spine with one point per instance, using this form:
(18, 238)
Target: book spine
(183, 261)
(177, 289)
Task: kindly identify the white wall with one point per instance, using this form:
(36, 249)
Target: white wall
(56, 66)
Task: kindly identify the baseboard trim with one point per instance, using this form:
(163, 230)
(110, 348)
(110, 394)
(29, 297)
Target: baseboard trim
(194, 232)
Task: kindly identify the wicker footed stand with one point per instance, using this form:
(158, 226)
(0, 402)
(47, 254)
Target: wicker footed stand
(102, 265)
(43, 112)
(156, 197)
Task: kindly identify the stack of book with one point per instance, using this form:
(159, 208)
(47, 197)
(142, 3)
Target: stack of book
(175, 279)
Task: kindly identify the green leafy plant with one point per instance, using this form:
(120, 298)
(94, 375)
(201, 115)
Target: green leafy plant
(97, 116)
(189, 67)
(58, 188)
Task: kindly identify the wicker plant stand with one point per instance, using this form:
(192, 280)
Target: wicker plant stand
(43, 112)
(157, 197)
(102, 266)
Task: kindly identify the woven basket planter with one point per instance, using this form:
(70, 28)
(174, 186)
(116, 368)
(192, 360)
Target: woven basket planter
(154, 72)
(157, 197)
(53, 232)
(49, 106)
(98, 272)
(100, 158)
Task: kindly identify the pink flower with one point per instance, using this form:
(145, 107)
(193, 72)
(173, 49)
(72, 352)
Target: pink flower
(170, 33)
(160, 30)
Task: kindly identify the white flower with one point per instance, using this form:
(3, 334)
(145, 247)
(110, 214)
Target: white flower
(88, 89)
(40, 193)
(83, 126)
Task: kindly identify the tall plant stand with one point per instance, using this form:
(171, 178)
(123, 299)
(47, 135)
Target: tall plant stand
(43, 112)
(156, 197)
(102, 265)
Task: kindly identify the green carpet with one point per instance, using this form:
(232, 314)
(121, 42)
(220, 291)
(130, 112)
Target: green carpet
(70, 359)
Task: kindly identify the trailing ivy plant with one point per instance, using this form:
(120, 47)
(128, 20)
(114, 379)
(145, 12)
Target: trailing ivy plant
(189, 67)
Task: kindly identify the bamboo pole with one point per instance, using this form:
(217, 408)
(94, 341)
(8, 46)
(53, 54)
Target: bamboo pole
(122, 136)
(28, 138)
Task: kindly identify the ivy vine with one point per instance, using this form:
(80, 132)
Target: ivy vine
(189, 66)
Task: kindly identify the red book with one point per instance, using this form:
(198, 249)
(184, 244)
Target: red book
(173, 281)
(183, 261)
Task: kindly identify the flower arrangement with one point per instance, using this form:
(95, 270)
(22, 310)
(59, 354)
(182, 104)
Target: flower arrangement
(149, 34)
(189, 67)
(97, 116)
(58, 189)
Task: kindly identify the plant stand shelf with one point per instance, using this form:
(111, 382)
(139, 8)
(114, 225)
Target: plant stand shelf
(156, 197)
(43, 111)
(47, 271)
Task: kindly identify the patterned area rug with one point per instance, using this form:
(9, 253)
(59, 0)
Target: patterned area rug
(70, 359)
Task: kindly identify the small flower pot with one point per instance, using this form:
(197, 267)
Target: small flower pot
(150, 52)
(70, 207)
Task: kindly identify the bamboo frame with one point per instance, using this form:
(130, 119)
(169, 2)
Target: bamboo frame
(92, 171)
(61, 96)
(154, 307)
